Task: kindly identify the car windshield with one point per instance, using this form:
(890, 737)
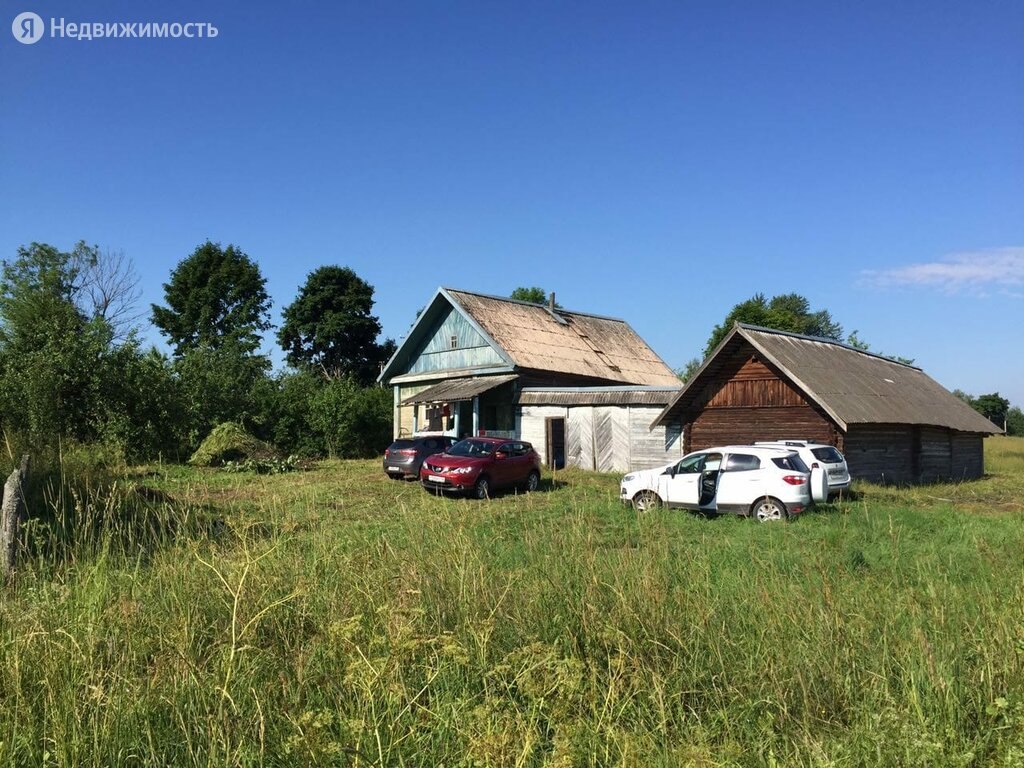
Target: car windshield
(471, 448)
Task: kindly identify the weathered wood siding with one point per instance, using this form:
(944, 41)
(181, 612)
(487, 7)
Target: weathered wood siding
(531, 424)
(968, 456)
(438, 354)
(603, 438)
(934, 458)
(907, 454)
(747, 401)
(881, 453)
(579, 437)
(651, 447)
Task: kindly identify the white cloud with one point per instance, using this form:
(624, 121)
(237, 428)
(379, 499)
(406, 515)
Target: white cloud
(976, 272)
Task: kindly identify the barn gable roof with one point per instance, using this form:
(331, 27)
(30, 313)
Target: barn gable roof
(852, 386)
(530, 336)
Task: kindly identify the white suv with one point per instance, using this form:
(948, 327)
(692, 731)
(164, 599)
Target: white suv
(766, 483)
(821, 455)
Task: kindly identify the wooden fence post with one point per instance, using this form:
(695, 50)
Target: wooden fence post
(12, 513)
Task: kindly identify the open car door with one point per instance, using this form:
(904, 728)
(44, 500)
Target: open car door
(709, 477)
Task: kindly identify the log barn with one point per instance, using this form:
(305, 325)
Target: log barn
(892, 421)
(583, 388)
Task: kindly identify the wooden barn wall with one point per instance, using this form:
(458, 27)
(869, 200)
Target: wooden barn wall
(968, 456)
(604, 438)
(747, 401)
(906, 454)
(881, 453)
(935, 454)
(532, 426)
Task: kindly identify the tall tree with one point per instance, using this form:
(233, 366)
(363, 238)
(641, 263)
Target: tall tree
(788, 312)
(111, 286)
(330, 326)
(1015, 422)
(215, 296)
(219, 384)
(992, 407)
(64, 371)
(50, 348)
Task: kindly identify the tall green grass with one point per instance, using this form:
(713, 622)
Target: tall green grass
(335, 617)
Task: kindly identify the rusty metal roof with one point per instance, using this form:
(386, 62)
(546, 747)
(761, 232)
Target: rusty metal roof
(568, 396)
(454, 390)
(574, 343)
(852, 386)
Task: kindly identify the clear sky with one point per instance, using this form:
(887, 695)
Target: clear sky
(655, 161)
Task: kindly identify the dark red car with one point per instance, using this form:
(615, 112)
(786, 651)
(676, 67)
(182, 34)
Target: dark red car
(477, 465)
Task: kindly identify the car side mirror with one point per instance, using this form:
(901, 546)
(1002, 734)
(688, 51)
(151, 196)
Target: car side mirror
(672, 471)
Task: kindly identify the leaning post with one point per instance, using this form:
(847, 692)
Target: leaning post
(12, 513)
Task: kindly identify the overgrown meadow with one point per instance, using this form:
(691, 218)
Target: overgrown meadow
(173, 616)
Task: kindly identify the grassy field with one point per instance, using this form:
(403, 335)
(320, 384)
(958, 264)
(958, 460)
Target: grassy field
(335, 617)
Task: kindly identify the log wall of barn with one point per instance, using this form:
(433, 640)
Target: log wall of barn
(905, 454)
(968, 456)
(881, 453)
(747, 401)
(935, 454)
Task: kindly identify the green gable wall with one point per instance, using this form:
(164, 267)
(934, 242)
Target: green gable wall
(471, 349)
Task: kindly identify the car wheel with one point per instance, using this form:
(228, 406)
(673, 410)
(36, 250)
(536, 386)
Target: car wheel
(532, 481)
(768, 509)
(482, 489)
(645, 501)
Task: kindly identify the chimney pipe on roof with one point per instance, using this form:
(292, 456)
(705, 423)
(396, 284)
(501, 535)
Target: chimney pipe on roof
(551, 302)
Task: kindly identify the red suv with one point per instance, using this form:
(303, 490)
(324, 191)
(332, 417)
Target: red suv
(477, 465)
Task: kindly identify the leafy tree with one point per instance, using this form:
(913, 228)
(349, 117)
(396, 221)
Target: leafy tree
(287, 400)
(992, 407)
(219, 384)
(351, 421)
(788, 312)
(854, 341)
(216, 296)
(142, 404)
(686, 372)
(63, 373)
(330, 326)
(1015, 421)
(534, 295)
(50, 349)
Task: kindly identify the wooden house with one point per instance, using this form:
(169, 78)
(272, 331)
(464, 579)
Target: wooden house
(571, 383)
(893, 422)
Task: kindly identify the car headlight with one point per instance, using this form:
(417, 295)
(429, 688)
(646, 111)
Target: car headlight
(628, 478)
(460, 470)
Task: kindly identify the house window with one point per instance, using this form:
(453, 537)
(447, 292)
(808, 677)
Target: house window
(454, 342)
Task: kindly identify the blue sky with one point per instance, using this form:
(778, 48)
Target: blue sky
(655, 161)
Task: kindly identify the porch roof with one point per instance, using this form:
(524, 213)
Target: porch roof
(454, 390)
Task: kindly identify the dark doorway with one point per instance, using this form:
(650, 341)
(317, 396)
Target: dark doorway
(555, 430)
